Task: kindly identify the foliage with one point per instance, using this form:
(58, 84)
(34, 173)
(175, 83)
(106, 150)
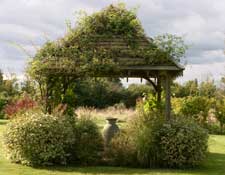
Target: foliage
(135, 91)
(193, 88)
(3, 102)
(35, 138)
(214, 128)
(176, 105)
(10, 86)
(9, 90)
(150, 141)
(196, 107)
(122, 150)
(190, 88)
(214, 164)
(220, 112)
(136, 145)
(171, 44)
(99, 92)
(30, 87)
(147, 128)
(207, 88)
(113, 20)
(82, 52)
(183, 143)
(1, 78)
(20, 105)
(150, 104)
(76, 52)
(88, 142)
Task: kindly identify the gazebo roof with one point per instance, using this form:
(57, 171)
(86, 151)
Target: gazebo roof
(138, 65)
(97, 43)
(129, 64)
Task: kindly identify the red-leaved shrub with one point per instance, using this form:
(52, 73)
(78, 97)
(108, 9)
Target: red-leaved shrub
(19, 105)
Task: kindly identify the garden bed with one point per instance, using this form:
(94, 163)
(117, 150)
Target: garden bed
(212, 166)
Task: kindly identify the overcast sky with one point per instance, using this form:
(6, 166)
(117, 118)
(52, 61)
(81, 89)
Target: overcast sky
(29, 23)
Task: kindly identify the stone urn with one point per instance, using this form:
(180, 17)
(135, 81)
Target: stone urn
(109, 130)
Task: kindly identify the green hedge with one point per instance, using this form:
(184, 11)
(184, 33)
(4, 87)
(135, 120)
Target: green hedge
(183, 143)
(38, 139)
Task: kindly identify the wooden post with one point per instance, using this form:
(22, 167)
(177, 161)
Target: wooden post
(48, 96)
(168, 95)
(159, 90)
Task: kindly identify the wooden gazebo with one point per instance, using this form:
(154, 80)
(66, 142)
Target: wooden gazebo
(133, 56)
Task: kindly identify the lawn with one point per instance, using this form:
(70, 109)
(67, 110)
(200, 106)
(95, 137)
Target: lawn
(215, 164)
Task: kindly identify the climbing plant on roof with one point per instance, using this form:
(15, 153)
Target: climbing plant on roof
(88, 50)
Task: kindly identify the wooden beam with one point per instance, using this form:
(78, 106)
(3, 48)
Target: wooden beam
(168, 96)
(151, 82)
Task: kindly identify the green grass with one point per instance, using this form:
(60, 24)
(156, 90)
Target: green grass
(214, 165)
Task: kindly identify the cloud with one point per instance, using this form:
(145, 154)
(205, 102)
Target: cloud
(29, 22)
(202, 72)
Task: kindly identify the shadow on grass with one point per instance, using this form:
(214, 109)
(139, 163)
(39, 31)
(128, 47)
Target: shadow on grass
(214, 165)
(109, 170)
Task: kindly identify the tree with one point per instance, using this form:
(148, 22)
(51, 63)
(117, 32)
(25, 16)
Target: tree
(222, 88)
(11, 86)
(98, 92)
(220, 112)
(196, 107)
(190, 88)
(29, 87)
(207, 88)
(134, 92)
(172, 44)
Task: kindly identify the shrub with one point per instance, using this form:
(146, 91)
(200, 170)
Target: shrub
(183, 143)
(136, 145)
(3, 102)
(147, 126)
(38, 139)
(214, 129)
(89, 142)
(20, 105)
(122, 150)
(150, 142)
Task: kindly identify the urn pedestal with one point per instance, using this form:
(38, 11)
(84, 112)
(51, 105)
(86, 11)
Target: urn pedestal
(110, 129)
